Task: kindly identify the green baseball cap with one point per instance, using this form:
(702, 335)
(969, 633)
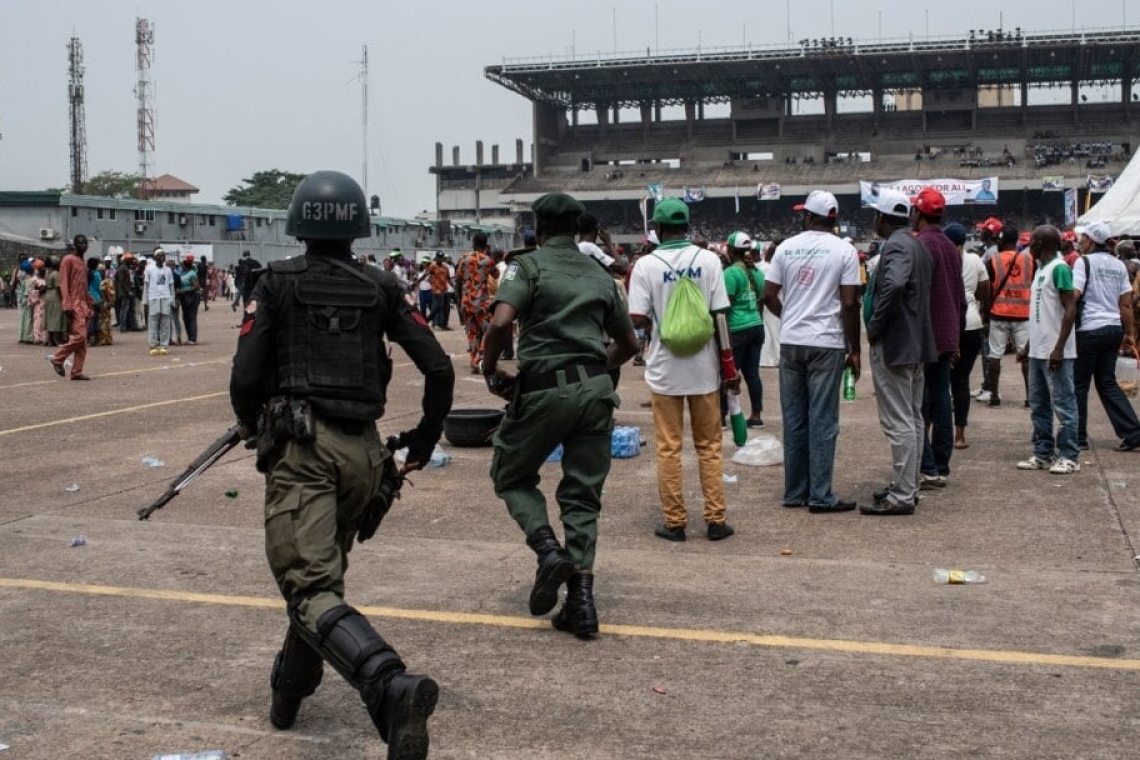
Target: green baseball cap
(671, 211)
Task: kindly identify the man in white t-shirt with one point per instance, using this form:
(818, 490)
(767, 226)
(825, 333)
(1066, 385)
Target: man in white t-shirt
(817, 276)
(159, 287)
(589, 236)
(676, 380)
(1104, 298)
(1050, 352)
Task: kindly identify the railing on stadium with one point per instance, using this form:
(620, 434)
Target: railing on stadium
(777, 51)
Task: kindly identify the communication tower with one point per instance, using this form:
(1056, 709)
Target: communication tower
(78, 116)
(144, 91)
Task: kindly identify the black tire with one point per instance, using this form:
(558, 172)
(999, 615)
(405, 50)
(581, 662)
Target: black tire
(471, 427)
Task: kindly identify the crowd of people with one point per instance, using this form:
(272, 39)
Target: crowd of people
(72, 302)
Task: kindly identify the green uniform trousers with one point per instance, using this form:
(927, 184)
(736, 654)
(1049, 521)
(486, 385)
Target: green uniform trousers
(580, 416)
(314, 494)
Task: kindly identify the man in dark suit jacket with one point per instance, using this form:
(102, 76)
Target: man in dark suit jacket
(902, 342)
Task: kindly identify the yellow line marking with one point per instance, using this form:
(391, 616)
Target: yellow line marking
(173, 365)
(124, 410)
(97, 415)
(999, 656)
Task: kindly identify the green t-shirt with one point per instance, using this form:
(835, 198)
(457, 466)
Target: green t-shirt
(566, 304)
(744, 297)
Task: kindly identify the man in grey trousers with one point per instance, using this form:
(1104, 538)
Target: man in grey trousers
(901, 337)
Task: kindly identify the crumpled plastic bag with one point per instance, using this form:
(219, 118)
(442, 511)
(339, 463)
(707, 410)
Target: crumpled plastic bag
(761, 451)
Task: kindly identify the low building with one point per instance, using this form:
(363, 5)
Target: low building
(45, 221)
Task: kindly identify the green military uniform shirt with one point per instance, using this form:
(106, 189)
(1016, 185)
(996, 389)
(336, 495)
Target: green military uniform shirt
(565, 303)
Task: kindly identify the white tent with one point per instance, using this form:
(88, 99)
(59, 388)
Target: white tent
(1120, 206)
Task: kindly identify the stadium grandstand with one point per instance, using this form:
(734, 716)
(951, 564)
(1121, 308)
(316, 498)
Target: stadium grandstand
(744, 133)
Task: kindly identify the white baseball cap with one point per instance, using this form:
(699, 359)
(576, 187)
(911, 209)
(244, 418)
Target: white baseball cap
(1098, 232)
(820, 203)
(892, 203)
(739, 240)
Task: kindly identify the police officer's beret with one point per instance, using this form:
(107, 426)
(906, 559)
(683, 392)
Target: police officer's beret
(671, 211)
(557, 204)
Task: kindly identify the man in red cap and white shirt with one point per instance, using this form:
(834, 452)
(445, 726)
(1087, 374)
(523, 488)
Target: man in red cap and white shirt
(947, 317)
(818, 276)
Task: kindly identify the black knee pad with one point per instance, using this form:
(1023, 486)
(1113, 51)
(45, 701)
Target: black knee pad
(349, 643)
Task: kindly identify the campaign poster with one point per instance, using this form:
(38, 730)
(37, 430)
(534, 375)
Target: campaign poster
(958, 192)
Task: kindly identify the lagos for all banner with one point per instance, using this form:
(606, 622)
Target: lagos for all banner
(958, 192)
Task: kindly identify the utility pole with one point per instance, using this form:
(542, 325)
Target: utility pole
(364, 116)
(78, 117)
(144, 92)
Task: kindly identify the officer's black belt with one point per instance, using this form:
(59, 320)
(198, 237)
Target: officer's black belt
(348, 427)
(546, 380)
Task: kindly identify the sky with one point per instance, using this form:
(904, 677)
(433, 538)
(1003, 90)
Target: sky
(246, 86)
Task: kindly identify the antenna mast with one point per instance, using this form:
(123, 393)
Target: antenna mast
(364, 118)
(144, 91)
(78, 116)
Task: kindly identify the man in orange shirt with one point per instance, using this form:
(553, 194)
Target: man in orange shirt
(439, 275)
(77, 305)
(473, 276)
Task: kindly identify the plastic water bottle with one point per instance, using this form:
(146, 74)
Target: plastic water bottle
(439, 457)
(739, 424)
(153, 462)
(956, 577)
(625, 443)
(210, 754)
(848, 384)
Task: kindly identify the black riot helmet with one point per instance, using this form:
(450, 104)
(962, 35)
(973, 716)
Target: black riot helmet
(328, 205)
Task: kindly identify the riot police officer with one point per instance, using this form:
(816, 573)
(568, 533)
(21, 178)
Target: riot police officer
(565, 305)
(311, 374)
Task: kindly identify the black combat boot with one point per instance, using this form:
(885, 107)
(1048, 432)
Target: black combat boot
(296, 674)
(554, 567)
(400, 712)
(578, 614)
(398, 703)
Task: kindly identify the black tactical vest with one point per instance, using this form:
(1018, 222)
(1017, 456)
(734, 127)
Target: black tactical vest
(330, 340)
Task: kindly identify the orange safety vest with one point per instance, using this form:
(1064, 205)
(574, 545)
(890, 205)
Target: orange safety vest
(1013, 300)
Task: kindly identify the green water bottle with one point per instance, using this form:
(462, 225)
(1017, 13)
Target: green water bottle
(739, 424)
(848, 384)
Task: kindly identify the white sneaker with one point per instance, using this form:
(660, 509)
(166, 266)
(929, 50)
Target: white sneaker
(1035, 463)
(1065, 467)
(983, 396)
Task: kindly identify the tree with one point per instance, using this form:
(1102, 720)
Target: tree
(267, 189)
(111, 184)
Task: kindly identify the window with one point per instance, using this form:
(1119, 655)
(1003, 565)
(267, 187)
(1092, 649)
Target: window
(213, 220)
(74, 212)
(111, 214)
(259, 221)
(144, 215)
(170, 217)
(98, 213)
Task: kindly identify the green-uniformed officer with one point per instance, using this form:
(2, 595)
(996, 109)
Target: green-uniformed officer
(311, 373)
(565, 304)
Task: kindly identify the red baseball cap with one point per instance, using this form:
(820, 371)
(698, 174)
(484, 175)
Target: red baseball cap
(929, 202)
(1069, 235)
(992, 224)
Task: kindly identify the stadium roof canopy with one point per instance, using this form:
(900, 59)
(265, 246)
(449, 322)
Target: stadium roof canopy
(815, 67)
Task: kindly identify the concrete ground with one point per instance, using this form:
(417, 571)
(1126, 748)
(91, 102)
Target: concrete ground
(159, 636)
